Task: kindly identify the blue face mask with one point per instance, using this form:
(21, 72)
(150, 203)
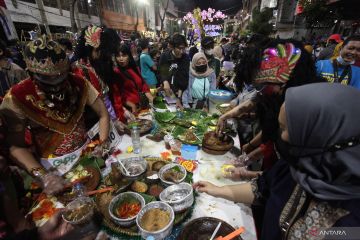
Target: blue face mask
(341, 61)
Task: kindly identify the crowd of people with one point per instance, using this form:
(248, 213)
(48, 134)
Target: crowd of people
(298, 101)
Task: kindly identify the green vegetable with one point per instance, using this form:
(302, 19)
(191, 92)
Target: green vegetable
(189, 178)
(176, 169)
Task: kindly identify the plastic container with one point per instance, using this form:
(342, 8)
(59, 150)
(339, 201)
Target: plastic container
(114, 204)
(162, 233)
(135, 138)
(175, 146)
(189, 152)
(217, 97)
(167, 139)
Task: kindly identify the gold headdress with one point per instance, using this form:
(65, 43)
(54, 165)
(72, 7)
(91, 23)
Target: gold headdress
(45, 56)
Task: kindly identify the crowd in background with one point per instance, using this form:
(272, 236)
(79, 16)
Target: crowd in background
(113, 79)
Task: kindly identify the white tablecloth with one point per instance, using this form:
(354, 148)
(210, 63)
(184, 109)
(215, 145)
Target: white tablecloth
(206, 206)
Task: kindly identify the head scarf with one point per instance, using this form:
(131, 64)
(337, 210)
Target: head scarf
(196, 58)
(320, 116)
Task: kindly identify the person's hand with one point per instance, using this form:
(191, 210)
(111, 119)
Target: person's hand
(179, 105)
(220, 125)
(150, 98)
(128, 115)
(120, 126)
(206, 187)
(132, 106)
(167, 89)
(256, 154)
(52, 183)
(205, 109)
(101, 150)
(233, 104)
(226, 80)
(247, 148)
(241, 161)
(55, 228)
(239, 173)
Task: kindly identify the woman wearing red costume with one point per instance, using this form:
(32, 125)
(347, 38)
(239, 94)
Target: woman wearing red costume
(95, 54)
(135, 88)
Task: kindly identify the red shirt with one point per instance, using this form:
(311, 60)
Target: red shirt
(115, 95)
(131, 91)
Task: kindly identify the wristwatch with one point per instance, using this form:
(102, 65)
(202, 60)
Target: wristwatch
(38, 172)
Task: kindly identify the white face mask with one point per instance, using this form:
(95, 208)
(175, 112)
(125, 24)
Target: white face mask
(209, 52)
(341, 61)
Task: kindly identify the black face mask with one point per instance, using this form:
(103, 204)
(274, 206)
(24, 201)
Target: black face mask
(284, 150)
(291, 153)
(201, 68)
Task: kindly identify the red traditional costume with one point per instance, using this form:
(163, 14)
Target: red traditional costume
(133, 85)
(55, 131)
(93, 36)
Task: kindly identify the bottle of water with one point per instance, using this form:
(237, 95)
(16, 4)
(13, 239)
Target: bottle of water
(135, 138)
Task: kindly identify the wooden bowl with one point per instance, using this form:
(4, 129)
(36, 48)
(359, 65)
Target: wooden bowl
(212, 144)
(203, 228)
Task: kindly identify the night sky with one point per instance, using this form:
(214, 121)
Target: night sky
(230, 6)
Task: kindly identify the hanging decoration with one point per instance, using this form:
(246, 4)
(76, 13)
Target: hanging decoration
(201, 22)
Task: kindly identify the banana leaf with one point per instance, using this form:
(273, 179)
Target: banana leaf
(164, 116)
(159, 103)
(181, 122)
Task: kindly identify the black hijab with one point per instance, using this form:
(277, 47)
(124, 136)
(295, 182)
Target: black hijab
(322, 117)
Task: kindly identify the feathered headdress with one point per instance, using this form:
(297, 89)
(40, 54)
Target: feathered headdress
(278, 63)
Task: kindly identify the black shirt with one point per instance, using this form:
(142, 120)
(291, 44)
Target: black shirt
(174, 70)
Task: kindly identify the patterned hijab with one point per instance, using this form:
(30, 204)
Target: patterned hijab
(323, 121)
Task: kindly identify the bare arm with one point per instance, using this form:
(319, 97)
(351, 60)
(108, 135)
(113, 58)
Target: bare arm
(240, 110)
(149, 97)
(238, 193)
(241, 193)
(51, 183)
(24, 158)
(253, 143)
(104, 120)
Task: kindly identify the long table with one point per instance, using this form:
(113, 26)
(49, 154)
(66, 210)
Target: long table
(235, 214)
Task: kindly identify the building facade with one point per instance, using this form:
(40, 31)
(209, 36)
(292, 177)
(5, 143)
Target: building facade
(170, 24)
(27, 14)
(126, 16)
(129, 15)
